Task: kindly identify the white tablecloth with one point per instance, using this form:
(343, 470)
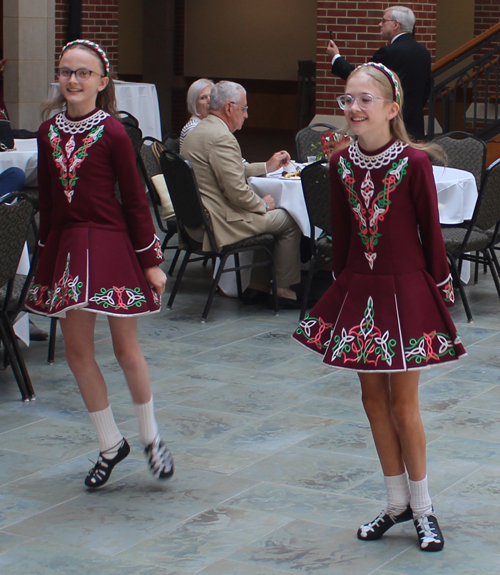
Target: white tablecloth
(22, 324)
(457, 194)
(287, 194)
(24, 156)
(138, 99)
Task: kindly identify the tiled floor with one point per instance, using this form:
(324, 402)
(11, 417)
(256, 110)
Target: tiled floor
(276, 467)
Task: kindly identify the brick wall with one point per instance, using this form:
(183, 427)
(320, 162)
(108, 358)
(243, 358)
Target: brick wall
(486, 15)
(99, 23)
(356, 32)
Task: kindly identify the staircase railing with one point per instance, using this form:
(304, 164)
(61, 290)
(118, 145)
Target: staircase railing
(465, 92)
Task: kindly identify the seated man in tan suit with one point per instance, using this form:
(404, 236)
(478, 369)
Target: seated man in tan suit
(236, 212)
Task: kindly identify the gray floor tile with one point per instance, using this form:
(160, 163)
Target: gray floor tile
(275, 464)
(305, 547)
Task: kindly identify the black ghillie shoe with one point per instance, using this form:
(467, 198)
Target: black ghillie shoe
(376, 528)
(160, 459)
(101, 471)
(429, 533)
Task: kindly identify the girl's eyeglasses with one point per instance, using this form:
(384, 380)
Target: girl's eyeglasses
(365, 101)
(82, 74)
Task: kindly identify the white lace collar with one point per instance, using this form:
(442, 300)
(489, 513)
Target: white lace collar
(374, 162)
(79, 126)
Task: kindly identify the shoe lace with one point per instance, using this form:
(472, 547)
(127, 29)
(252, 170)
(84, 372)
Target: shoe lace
(160, 459)
(370, 526)
(426, 530)
(99, 469)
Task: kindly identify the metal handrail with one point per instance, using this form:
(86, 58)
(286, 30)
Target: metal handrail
(470, 45)
(467, 99)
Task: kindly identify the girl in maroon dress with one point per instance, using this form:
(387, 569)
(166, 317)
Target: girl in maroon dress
(385, 315)
(98, 254)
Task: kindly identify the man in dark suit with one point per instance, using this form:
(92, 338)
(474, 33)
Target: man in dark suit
(405, 56)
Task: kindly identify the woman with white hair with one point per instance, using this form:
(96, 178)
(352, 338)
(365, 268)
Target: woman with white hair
(198, 100)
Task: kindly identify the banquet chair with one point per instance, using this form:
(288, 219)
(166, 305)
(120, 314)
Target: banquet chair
(316, 187)
(150, 167)
(308, 140)
(465, 152)
(192, 217)
(493, 150)
(131, 125)
(17, 222)
(479, 235)
(172, 142)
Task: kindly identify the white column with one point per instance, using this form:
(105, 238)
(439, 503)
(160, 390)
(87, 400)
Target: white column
(29, 46)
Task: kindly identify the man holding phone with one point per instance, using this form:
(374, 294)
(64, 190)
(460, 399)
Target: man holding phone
(405, 56)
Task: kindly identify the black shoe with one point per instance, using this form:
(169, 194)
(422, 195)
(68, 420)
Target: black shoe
(160, 459)
(429, 533)
(375, 529)
(253, 296)
(101, 471)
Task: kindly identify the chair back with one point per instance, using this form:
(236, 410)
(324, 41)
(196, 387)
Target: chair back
(128, 118)
(149, 166)
(16, 218)
(131, 125)
(493, 151)
(316, 186)
(185, 196)
(465, 152)
(487, 210)
(172, 144)
(308, 140)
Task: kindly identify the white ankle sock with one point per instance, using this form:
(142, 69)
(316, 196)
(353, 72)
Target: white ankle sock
(148, 428)
(398, 493)
(420, 500)
(108, 434)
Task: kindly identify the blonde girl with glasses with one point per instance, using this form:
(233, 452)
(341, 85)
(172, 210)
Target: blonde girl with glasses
(98, 255)
(385, 315)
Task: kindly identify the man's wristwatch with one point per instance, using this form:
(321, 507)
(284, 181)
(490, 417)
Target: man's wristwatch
(267, 206)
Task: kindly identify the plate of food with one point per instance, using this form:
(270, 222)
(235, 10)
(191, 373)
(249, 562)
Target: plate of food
(291, 175)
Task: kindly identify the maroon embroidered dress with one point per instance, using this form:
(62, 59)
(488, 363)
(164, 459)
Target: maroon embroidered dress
(94, 248)
(387, 307)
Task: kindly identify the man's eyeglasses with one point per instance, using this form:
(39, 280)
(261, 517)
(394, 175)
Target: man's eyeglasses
(243, 108)
(384, 20)
(82, 74)
(365, 101)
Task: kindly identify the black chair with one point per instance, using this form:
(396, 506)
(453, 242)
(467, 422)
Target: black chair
(465, 152)
(131, 125)
(172, 142)
(308, 140)
(16, 223)
(316, 187)
(480, 234)
(192, 216)
(150, 167)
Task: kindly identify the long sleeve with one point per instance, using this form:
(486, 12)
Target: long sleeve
(340, 219)
(426, 205)
(134, 202)
(225, 161)
(342, 68)
(44, 189)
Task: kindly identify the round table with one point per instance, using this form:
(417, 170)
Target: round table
(286, 193)
(456, 189)
(457, 194)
